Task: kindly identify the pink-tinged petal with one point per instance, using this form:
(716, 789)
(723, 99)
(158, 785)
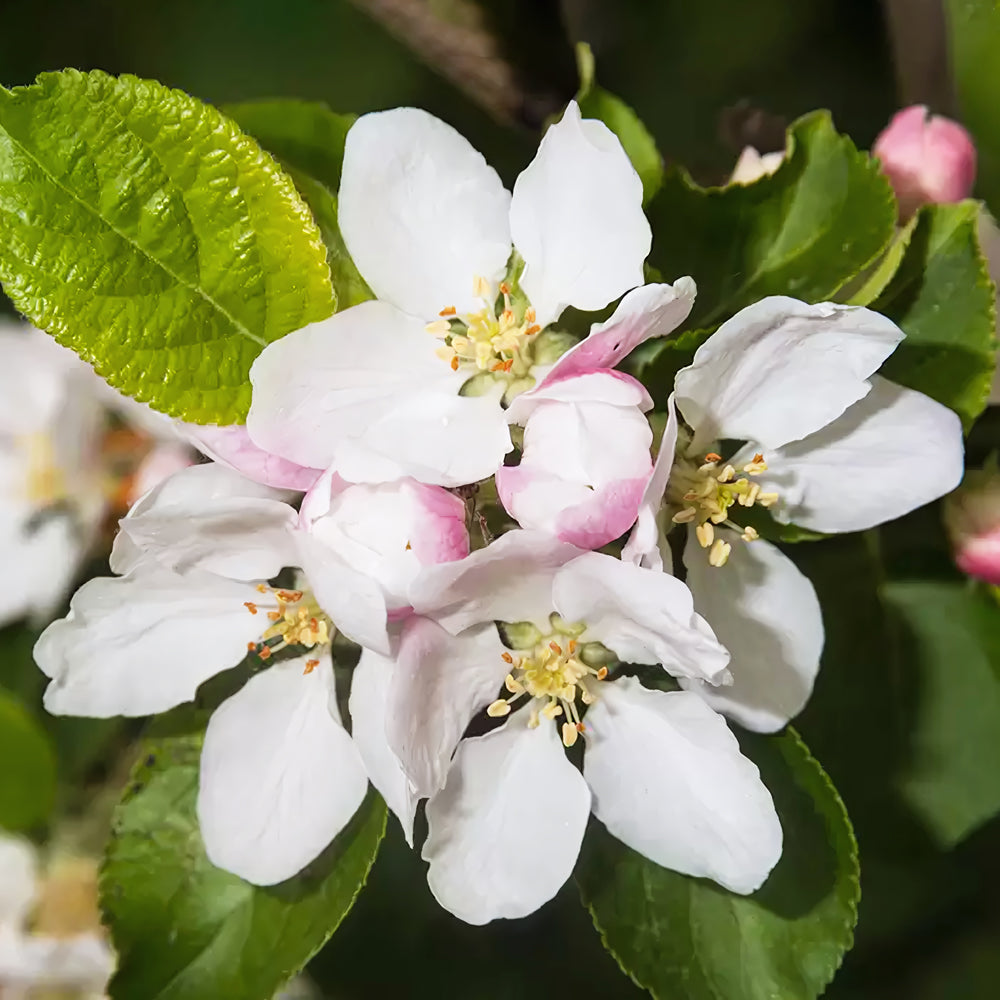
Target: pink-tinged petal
(582, 474)
(644, 313)
(422, 213)
(602, 385)
(509, 581)
(161, 463)
(438, 683)
(927, 158)
(576, 217)
(980, 558)
(385, 531)
(232, 446)
(647, 544)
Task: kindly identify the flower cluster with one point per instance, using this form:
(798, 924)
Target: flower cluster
(463, 459)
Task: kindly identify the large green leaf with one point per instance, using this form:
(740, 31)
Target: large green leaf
(145, 231)
(820, 219)
(943, 298)
(689, 939)
(185, 930)
(308, 138)
(951, 656)
(28, 774)
(596, 102)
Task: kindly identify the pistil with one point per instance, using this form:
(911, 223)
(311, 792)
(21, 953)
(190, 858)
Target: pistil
(298, 620)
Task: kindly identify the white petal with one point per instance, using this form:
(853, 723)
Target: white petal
(365, 392)
(280, 777)
(644, 313)
(647, 545)
(386, 531)
(669, 781)
(354, 600)
(18, 878)
(765, 611)
(439, 682)
(368, 704)
(577, 219)
(887, 455)
(601, 386)
(509, 581)
(643, 615)
(504, 834)
(208, 517)
(232, 445)
(421, 212)
(141, 644)
(159, 464)
(781, 369)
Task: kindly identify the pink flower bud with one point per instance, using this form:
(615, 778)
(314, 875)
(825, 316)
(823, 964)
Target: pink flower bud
(972, 517)
(927, 158)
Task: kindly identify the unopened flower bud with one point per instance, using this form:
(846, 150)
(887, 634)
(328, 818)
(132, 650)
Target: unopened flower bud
(927, 159)
(972, 517)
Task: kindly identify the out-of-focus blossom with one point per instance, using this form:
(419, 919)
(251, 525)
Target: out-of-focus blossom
(972, 517)
(50, 931)
(927, 158)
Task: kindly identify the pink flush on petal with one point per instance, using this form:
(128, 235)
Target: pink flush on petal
(927, 158)
(980, 557)
(441, 534)
(231, 445)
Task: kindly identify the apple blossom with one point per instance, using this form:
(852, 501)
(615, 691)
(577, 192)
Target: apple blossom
(197, 554)
(814, 435)
(507, 810)
(412, 384)
(52, 491)
(972, 517)
(32, 958)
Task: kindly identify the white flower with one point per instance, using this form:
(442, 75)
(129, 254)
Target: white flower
(819, 439)
(585, 458)
(280, 776)
(52, 494)
(410, 384)
(507, 811)
(40, 960)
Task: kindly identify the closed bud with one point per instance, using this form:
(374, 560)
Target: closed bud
(972, 517)
(927, 158)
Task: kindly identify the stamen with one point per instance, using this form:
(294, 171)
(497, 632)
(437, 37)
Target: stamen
(311, 665)
(727, 474)
(720, 553)
(250, 606)
(685, 515)
(569, 734)
(750, 534)
(498, 709)
(705, 534)
(439, 328)
(712, 457)
(448, 311)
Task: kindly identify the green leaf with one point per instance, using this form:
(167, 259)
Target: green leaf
(185, 930)
(595, 102)
(974, 36)
(943, 298)
(868, 285)
(28, 775)
(308, 138)
(143, 230)
(687, 939)
(305, 134)
(820, 219)
(951, 655)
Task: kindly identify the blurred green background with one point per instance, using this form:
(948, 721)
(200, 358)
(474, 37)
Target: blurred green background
(707, 78)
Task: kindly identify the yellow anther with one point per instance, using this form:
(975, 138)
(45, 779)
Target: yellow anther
(720, 553)
(767, 499)
(498, 709)
(727, 474)
(750, 534)
(569, 734)
(552, 709)
(513, 685)
(685, 515)
(705, 534)
(439, 328)
(481, 288)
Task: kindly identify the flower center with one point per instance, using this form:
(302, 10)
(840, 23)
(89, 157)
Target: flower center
(488, 340)
(704, 493)
(45, 481)
(297, 621)
(552, 675)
